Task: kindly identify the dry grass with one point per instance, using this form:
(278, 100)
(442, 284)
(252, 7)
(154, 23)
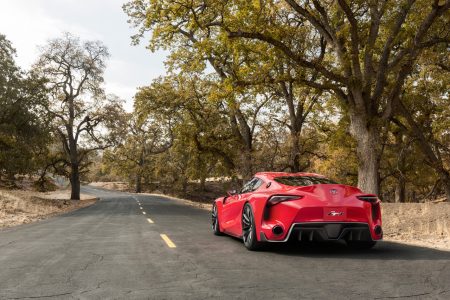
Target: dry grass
(425, 224)
(19, 207)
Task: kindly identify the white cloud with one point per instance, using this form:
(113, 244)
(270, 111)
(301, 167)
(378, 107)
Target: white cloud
(28, 24)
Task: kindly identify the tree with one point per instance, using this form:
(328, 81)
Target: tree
(370, 49)
(145, 138)
(23, 130)
(199, 49)
(184, 102)
(424, 112)
(74, 73)
(368, 87)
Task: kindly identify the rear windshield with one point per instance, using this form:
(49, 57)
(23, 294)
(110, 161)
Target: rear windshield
(303, 180)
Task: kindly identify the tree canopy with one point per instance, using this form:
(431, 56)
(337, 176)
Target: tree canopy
(300, 66)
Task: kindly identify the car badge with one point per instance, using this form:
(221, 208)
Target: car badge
(333, 191)
(334, 213)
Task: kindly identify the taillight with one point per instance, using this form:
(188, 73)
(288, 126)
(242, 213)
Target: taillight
(375, 211)
(281, 198)
(368, 198)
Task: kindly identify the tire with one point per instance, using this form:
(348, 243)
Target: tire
(215, 221)
(249, 229)
(361, 245)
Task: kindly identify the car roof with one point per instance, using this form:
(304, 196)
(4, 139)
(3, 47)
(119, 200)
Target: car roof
(273, 175)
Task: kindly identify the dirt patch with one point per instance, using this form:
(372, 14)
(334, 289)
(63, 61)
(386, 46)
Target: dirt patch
(116, 186)
(423, 224)
(20, 207)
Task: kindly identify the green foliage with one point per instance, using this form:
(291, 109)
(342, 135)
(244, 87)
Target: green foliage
(309, 85)
(23, 127)
(144, 137)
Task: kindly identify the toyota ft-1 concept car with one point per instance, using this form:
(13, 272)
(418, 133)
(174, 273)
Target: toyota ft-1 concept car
(277, 207)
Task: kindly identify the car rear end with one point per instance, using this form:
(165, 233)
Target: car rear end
(321, 212)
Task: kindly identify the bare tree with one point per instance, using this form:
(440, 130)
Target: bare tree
(74, 71)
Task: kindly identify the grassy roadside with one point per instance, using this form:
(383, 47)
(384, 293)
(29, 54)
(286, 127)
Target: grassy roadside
(22, 206)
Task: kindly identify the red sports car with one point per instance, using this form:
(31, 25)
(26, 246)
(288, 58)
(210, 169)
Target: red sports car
(277, 207)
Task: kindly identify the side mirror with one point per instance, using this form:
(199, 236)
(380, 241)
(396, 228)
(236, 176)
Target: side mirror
(232, 193)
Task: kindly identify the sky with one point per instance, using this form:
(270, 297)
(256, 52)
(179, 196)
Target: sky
(30, 23)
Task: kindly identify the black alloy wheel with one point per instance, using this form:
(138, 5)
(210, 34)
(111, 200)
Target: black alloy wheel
(248, 229)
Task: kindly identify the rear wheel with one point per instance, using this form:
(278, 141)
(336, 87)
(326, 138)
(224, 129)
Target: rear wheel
(249, 229)
(361, 245)
(215, 220)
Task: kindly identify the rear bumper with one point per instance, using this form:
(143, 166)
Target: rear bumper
(325, 231)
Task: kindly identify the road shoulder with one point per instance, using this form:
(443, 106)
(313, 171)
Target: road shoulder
(22, 207)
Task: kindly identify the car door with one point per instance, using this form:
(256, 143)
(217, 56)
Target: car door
(232, 208)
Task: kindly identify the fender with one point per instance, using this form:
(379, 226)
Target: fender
(258, 202)
(219, 205)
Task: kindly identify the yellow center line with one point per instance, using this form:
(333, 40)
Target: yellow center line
(150, 220)
(168, 241)
(140, 207)
(143, 213)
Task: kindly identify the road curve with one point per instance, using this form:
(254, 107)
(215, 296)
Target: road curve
(112, 250)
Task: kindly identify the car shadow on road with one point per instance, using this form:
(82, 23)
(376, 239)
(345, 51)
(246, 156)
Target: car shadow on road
(383, 250)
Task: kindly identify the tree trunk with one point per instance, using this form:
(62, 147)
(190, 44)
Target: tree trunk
(400, 148)
(400, 190)
(184, 185)
(75, 182)
(203, 183)
(247, 165)
(445, 178)
(138, 187)
(295, 151)
(367, 151)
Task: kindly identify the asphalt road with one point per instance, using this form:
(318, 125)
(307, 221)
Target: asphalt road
(111, 250)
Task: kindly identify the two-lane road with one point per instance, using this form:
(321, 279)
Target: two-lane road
(112, 250)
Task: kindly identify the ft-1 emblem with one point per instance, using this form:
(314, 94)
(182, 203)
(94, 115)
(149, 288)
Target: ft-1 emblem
(333, 191)
(335, 213)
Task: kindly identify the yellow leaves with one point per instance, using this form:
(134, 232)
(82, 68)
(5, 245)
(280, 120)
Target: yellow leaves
(256, 4)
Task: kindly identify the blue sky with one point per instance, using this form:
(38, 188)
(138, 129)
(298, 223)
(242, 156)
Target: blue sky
(29, 23)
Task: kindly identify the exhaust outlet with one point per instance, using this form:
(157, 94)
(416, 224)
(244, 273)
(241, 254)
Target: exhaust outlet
(378, 230)
(277, 230)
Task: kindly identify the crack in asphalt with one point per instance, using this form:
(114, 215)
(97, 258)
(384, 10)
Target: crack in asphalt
(45, 296)
(443, 292)
(405, 296)
(9, 243)
(99, 259)
(99, 285)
